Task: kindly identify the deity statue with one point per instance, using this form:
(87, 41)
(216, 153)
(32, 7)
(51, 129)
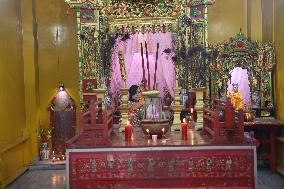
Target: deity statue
(236, 97)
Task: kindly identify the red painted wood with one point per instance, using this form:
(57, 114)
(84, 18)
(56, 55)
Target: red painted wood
(161, 168)
(96, 126)
(266, 125)
(228, 127)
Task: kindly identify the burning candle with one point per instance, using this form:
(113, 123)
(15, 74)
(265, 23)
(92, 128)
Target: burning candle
(128, 131)
(52, 152)
(131, 116)
(163, 129)
(184, 130)
(147, 130)
(191, 110)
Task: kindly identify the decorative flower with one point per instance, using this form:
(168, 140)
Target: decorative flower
(43, 135)
(121, 8)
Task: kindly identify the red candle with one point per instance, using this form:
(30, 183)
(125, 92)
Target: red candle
(128, 131)
(184, 130)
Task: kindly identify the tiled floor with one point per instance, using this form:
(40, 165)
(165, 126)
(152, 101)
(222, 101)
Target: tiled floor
(56, 179)
(41, 179)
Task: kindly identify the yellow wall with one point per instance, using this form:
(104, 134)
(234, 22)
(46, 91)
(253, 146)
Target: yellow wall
(279, 44)
(225, 18)
(254, 19)
(30, 72)
(278, 30)
(12, 93)
(267, 20)
(57, 52)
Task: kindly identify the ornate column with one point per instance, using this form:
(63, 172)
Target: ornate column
(123, 108)
(199, 106)
(100, 93)
(177, 109)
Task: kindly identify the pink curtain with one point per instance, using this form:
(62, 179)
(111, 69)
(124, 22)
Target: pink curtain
(240, 76)
(133, 61)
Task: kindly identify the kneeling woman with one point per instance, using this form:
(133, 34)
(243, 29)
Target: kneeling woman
(135, 104)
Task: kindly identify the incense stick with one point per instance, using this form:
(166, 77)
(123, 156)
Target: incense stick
(147, 64)
(142, 61)
(156, 65)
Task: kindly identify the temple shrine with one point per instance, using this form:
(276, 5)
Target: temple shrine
(144, 94)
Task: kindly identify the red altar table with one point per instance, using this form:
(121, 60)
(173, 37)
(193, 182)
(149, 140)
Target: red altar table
(167, 163)
(266, 126)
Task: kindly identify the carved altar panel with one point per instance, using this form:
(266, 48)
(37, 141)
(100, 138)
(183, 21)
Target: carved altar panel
(161, 167)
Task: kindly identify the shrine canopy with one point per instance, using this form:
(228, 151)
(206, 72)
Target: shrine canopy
(130, 46)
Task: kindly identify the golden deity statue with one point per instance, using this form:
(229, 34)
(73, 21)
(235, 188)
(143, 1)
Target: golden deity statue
(236, 97)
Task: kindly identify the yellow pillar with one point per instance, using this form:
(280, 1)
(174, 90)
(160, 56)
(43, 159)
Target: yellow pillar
(30, 78)
(278, 28)
(254, 20)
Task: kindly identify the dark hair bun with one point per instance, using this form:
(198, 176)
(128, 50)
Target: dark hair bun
(132, 91)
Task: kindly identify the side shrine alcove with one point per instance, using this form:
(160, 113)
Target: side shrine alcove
(248, 63)
(62, 121)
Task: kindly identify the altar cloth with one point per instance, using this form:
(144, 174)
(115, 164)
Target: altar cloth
(168, 163)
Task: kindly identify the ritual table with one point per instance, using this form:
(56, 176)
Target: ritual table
(167, 163)
(263, 126)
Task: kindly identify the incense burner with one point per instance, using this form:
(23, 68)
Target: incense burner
(151, 127)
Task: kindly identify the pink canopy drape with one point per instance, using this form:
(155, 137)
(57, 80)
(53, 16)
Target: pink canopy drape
(240, 76)
(131, 49)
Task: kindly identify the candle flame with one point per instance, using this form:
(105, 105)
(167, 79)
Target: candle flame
(127, 123)
(163, 129)
(191, 110)
(183, 120)
(147, 130)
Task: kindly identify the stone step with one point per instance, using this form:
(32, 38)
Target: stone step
(47, 165)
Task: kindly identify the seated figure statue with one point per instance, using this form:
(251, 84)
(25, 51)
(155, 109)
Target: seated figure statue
(236, 97)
